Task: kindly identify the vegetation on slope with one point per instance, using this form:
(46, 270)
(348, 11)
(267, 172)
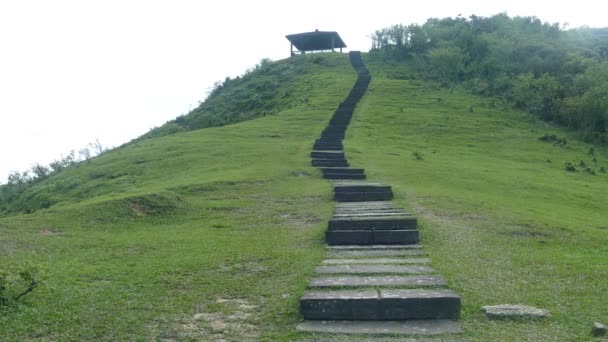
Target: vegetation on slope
(263, 90)
(559, 75)
(499, 213)
(267, 89)
(204, 235)
(213, 234)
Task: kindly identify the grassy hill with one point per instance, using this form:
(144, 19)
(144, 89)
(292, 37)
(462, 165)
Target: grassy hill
(214, 233)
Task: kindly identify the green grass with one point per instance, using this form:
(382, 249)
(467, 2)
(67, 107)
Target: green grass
(214, 233)
(501, 218)
(193, 236)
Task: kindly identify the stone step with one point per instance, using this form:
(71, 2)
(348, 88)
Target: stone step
(372, 247)
(368, 204)
(327, 155)
(381, 305)
(363, 210)
(329, 163)
(374, 222)
(345, 170)
(343, 176)
(334, 135)
(348, 187)
(374, 253)
(372, 237)
(414, 327)
(330, 159)
(363, 196)
(364, 281)
(376, 261)
(329, 147)
(359, 213)
(374, 269)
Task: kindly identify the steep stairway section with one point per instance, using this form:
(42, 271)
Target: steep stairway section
(376, 278)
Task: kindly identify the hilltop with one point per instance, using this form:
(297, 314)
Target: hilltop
(198, 232)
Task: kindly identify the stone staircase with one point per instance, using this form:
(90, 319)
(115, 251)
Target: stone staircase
(376, 279)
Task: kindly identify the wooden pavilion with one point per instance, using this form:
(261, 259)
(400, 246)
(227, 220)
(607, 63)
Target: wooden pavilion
(315, 41)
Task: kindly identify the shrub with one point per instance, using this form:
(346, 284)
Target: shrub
(570, 167)
(417, 155)
(18, 281)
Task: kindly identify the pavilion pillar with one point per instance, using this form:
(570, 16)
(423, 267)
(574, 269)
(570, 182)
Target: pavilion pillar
(333, 44)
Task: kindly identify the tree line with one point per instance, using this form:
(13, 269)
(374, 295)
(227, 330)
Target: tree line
(18, 182)
(560, 75)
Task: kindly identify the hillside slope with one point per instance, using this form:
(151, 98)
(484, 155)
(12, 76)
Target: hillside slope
(214, 222)
(214, 233)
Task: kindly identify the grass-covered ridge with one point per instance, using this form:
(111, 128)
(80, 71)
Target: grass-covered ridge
(501, 216)
(557, 74)
(265, 89)
(172, 237)
(298, 87)
(214, 233)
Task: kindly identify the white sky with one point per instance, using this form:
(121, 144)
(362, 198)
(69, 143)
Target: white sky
(75, 71)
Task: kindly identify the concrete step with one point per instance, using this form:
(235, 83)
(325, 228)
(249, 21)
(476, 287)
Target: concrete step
(374, 269)
(368, 281)
(329, 163)
(369, 204)
(364, 214)
(362, 196)
(344, 170)
(374, 253)
(373, 222)
(415, 327)
(381, 305)
(372, 247)
(349, 187)
(329, 147)
(386, 261)
(327, 154)
(343, 176)
(371, 237)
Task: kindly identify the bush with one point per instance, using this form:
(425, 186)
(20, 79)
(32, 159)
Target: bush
(18, 281)
(570, 167)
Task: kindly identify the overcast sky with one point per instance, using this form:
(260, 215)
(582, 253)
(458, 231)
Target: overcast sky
(75, 71)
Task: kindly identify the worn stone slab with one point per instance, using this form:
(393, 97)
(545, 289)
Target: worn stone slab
(371, 237)
(370, 214)
(386, 261)
(373, 269)
(374, 208)
(373, 222)
(363, 196)
(359, 281)
(390, 305)
(368, 203)
(417, 327)
(349, 237)
(327, 154)
(339, 305)
(342, 170)
(403, 236)
(328, 162)
(374, 247)
(328, 175)
(514, 311)
(361, 187)
(405, 304)
(375, 253)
